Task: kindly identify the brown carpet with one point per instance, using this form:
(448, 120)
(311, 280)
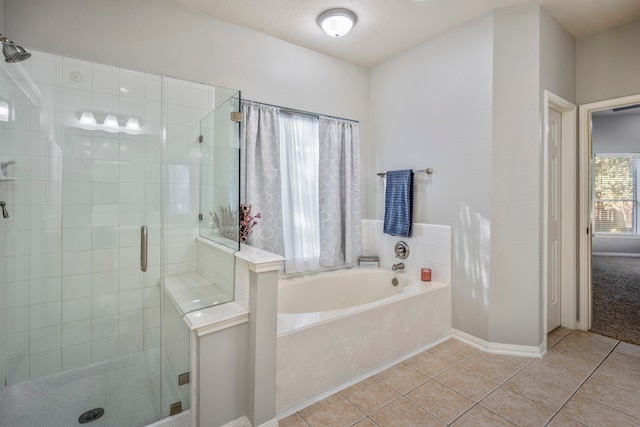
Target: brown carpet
(616, 297)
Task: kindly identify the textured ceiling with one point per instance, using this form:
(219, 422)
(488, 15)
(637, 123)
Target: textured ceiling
(388, 27)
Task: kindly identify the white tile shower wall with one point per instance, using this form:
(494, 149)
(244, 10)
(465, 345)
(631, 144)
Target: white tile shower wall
(75, 294)
(429, 246)
(217, 265)
(187, 104)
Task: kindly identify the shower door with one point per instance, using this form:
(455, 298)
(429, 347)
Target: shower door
(80, 329)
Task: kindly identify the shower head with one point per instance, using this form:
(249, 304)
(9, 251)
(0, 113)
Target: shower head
(12, 52)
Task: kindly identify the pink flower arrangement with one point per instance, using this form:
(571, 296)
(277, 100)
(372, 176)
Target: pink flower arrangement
(247, 222)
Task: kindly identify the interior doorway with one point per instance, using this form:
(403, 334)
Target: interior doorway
(559, 207)
(609, 239)
(610, 189)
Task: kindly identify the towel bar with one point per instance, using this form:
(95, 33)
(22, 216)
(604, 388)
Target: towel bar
(428, 171)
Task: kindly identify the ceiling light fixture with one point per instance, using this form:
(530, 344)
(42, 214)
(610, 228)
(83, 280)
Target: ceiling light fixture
(337, 22)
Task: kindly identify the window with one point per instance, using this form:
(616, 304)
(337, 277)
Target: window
(616, 190)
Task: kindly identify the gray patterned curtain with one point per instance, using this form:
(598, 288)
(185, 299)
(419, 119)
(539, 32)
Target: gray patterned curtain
(340, 207)
(261, 162)
(339, 183)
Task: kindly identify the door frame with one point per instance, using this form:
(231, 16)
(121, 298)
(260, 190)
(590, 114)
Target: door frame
(585, 297)
(569, 174)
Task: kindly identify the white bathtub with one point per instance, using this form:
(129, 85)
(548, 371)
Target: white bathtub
(337, 289)
(337, 327)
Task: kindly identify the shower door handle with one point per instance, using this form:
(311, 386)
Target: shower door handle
(144, 238)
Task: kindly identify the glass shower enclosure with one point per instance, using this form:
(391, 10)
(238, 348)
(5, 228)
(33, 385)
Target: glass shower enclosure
(100, 180)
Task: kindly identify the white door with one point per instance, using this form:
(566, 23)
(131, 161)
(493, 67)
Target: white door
(554, 252)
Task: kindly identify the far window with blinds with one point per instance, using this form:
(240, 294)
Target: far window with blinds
(616, 189)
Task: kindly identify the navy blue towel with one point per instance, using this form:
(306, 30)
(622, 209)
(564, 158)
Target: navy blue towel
(398, 203)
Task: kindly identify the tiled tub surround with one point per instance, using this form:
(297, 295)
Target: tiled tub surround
(429, 246)
(320, 352)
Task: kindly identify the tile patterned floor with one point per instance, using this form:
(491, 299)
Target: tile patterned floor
(584, 379)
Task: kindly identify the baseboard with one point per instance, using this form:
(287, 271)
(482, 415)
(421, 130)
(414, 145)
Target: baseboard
(498, 348)
(241, 422)
(270, 423)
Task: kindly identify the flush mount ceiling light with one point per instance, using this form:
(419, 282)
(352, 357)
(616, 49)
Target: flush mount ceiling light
(337, 22)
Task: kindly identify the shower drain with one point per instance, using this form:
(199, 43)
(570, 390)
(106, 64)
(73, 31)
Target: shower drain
(91, 415)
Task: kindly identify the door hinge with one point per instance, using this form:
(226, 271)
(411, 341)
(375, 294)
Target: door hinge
(200, 216)
(175, 408)
(587, 230)
(236, 116)
(200, 139)
(184, 378)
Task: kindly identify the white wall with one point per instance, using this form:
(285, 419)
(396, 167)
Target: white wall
(608, 64)
(516, 179)
(469, 104)
(615, 134)
(431, 107)
(557, 59)
(163, 37)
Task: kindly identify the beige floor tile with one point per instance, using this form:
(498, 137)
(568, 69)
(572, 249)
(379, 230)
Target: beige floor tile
(441, 401)
(539, 390)
(429, 363)
(402, 377)
(564, 421)
(593, 413)
(628, 349)
(333, 411)
(468, 383)
(490, 367)
(370, 395)
(571, 361)
(294, 420)
(517, 408)
(515, 361)
(555, 373)
(365, 423)
(623, 362)
(479, 416)
(556, 335)
(587, 344)
(454, 350)
(619, 378)
(404, 413)
(622, 400)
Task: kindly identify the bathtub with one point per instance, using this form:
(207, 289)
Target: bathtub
(339, 327)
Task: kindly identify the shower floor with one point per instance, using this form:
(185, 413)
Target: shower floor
(127, 388)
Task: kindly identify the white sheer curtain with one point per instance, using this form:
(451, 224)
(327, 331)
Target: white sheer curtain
(261, 161)
(299, 151)
(340, 205)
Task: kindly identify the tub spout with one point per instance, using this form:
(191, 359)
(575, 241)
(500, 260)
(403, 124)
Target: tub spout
(398, 266)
